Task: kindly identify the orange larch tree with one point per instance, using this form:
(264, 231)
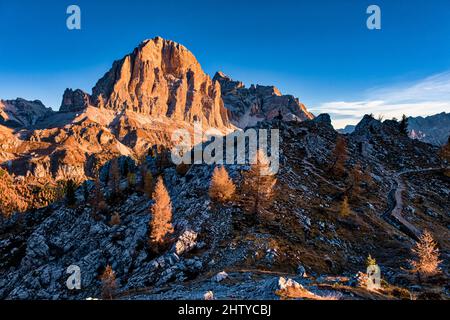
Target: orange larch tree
(222, 187)
(161, 220)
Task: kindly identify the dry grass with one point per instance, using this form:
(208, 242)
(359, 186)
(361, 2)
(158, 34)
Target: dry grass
(299, 292)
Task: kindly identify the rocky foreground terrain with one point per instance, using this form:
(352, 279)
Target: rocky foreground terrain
(392, 187)
(299, 239)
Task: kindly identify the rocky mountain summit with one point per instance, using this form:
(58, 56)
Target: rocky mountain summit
(77, 188)
(147, 95)
(433, 129)
(22, 113)
(74, 100)
(300, 240)
(162, 79)
(248, 106)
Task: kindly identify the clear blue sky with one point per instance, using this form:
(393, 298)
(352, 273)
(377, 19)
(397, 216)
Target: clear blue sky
(320, 51)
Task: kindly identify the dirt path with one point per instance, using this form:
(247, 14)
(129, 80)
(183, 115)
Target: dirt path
(393, 214)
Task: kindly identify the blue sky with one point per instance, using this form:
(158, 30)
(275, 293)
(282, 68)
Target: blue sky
(320, 51)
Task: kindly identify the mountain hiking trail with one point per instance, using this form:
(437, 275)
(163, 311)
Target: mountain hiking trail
(393, 214)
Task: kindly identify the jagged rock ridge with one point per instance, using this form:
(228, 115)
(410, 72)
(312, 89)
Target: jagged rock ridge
(22, 113)
(249, 106)
(433, 129)
(163, 79)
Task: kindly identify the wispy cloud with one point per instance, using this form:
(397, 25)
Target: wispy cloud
(421, 98)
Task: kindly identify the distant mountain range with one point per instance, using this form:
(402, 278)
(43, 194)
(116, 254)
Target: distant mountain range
(433, 129)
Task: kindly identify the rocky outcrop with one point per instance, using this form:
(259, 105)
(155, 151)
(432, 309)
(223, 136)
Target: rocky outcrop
(22, 113)
(249, 106)
(433, 129)
(163, 79)
(74, 101)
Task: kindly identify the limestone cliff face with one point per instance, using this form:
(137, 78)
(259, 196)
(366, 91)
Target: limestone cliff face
(249, 106)
(74, 100)
(22, 113)
(162, 79)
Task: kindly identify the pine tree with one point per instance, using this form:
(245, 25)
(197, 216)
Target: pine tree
(259, 182)
(161, 221)
(345, 208)
(404, 126)
(427, 255)
(222, 187)
(109, 284)
(70, 193)
(340, 156)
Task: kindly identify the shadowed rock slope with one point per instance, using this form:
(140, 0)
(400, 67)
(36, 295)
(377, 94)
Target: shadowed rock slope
(300, 234)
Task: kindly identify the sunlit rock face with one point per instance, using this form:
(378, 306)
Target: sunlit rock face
(249, 106)
(433, 129)
(163, 79)
(22, 113)
(74, 100)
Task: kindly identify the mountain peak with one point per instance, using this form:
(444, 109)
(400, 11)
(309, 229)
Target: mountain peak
(22, 113)
(74, 100)
(162, 78)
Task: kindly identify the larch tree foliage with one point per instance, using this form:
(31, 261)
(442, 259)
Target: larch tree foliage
(161, 220)
(340, 156)
(370, 261)
(109, 284)
(10, 201)
(259, 183)
(345, 208)
(426, 254)
(222, 187)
